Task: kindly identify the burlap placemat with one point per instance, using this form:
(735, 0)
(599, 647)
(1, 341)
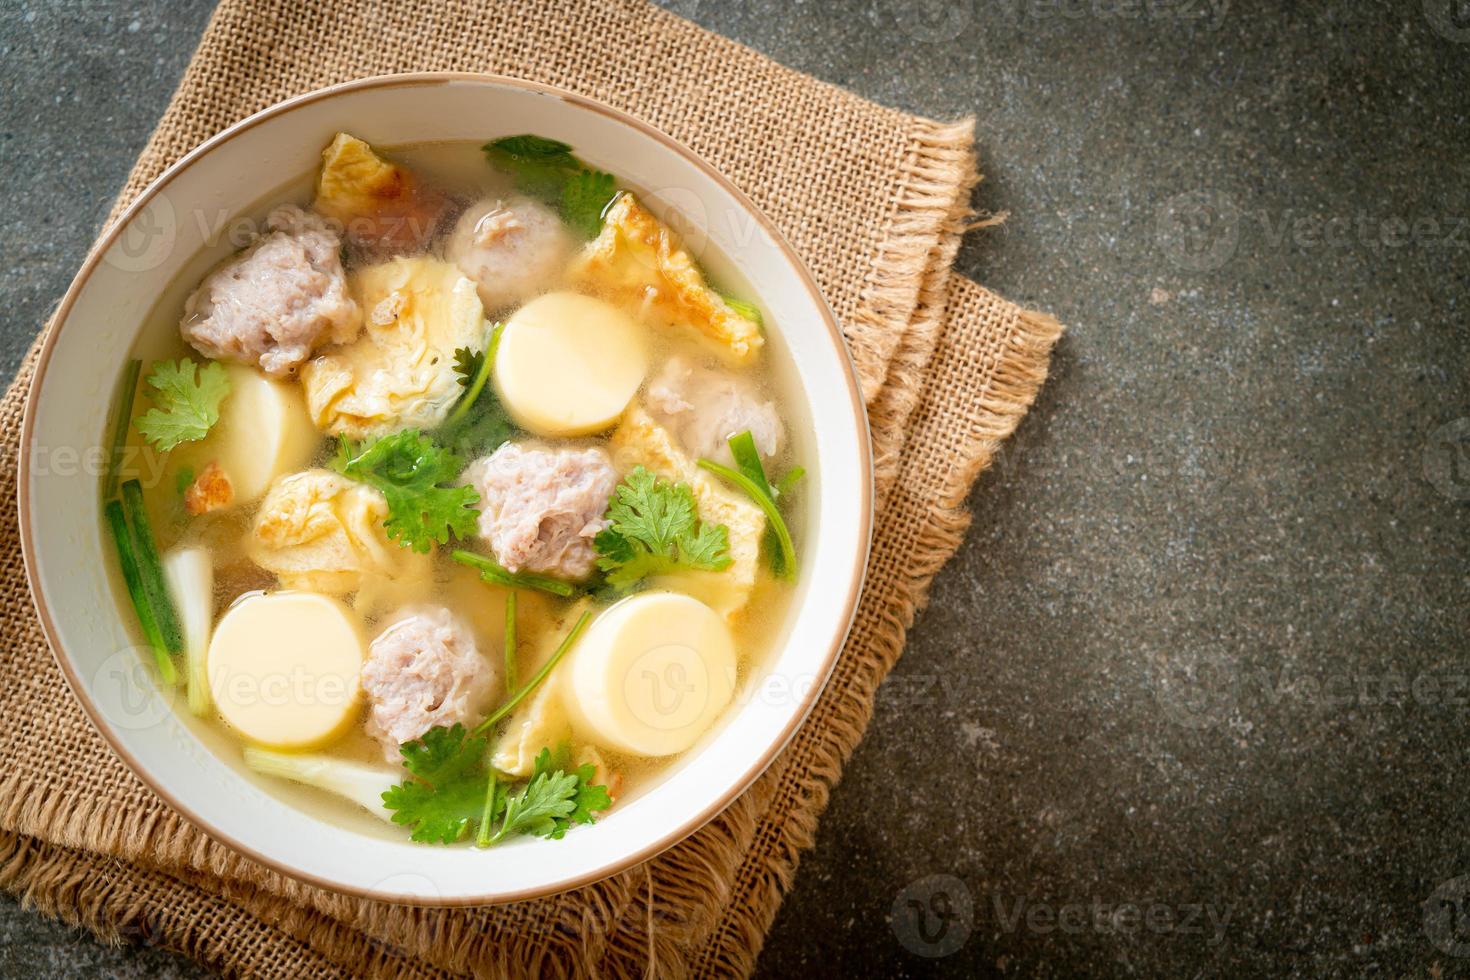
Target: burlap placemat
(874, 200)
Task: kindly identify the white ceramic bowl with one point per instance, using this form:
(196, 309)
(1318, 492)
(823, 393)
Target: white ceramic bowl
(188, 763)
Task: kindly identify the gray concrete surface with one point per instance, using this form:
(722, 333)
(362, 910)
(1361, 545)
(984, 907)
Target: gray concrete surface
(1192, 698)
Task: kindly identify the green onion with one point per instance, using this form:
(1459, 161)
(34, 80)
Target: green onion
(497, 574)
(535, 681)
(510, 639)
(748, 459)
(122, 416)
(763, 500)
(113, 511)
(788, 481)
(151, 568)
(477, 384)
(482, 837)
(747, 310)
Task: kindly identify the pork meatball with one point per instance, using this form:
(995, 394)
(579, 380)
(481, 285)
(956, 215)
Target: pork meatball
(703, 408)
(277, 301)
(423, 671)
(510, 248)
(541, 508)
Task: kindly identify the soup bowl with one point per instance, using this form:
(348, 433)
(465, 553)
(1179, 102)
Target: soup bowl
(193, 766)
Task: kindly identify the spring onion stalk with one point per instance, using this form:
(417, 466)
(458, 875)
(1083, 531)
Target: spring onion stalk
(540, 675)
(487, 815)
(189, 573)
(497, 574)
(748, 311)
(150, 568)
(113, 512)
(477, 384)
(363, 785)
(748, 459)
(510, 640)
(763, 500)
(122, 416)
(788, 481)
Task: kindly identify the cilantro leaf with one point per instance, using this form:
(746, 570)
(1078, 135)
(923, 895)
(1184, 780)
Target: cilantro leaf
(437, 815)
(479, 424)
(583, 199)
(540, 166)
(547, 169)
(446, 791)
(706, 547)
(655, 528)
(529, 146)
(468, 364)
(186, 408)
(547, 798)
(445, 796)
(482, 432)
(442, 754)
(409, 470)
(586, 798)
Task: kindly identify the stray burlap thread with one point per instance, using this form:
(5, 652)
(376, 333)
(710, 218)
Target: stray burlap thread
(874, 200)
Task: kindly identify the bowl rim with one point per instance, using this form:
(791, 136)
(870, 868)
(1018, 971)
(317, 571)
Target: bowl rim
(738, 786)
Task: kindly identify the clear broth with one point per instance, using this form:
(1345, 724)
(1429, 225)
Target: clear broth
(459, 169)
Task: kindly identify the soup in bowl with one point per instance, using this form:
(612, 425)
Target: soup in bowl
(481, 489)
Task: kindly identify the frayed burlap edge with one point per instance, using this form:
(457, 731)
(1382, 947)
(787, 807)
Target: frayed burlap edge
(120, 904)
(939, 164)
(892, 408)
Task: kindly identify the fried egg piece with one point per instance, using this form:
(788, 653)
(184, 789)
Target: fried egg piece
(318, 531)
(638, 263)
(400, 373)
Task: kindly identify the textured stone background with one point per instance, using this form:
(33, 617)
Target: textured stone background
(1192, 698)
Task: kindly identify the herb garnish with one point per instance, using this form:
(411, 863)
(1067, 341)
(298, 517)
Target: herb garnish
(479, 423)
(185, 407)
(410, 470)
(654, 529)
(547, 169)
(445, 795)
(751, 477)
